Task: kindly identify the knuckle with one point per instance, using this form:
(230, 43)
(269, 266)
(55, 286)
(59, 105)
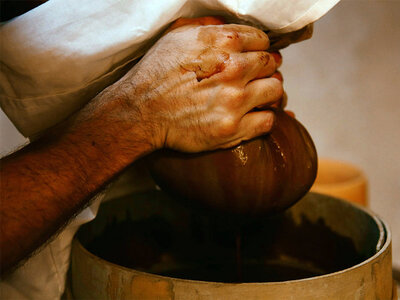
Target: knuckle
(232, 38)
(236, 66)
(208, 35)
(229, 38)
(231, 35)
(227, 126)
(236, 96)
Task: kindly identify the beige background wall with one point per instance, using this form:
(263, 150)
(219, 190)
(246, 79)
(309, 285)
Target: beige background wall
(344, 85)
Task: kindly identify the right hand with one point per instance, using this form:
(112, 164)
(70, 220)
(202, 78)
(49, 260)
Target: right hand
(196, 88)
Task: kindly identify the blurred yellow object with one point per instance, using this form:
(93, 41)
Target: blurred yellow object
(342, 180)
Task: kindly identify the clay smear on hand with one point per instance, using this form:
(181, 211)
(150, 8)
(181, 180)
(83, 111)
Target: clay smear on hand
(208, 63)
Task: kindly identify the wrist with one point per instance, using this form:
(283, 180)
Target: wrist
(112, 128)
(134, 104)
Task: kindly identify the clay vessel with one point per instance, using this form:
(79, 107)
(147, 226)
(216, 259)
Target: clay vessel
(258, 177)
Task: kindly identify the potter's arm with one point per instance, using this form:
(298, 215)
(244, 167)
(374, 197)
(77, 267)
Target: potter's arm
(47, 182)
(192, 98)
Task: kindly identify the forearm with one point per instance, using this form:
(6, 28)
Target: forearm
(46, 183)
(194, 98)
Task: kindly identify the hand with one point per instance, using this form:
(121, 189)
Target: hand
(196, 88)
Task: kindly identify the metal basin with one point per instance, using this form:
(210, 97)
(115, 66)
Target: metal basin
(147, 246)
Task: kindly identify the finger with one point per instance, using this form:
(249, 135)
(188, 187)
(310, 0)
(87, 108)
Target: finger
(278, 58)
(251, 126)
(254, 124)
(242, 38)
(242, 67)
(251, 65)
(277, 75)
(262, 93)
(281, 103)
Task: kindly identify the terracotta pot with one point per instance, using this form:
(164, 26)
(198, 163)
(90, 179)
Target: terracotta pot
(341, 179)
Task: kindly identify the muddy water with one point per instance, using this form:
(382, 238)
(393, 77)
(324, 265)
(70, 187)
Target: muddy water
(222, 250)
(240, 272)
(251, 273)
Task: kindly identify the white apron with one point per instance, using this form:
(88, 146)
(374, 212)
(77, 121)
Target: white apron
(55, 58)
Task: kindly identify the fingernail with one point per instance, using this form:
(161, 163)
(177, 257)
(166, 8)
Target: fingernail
(277, 57)
(278, 76)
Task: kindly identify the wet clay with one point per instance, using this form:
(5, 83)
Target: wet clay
(256, 178)
(209, 63)
(252, 273)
